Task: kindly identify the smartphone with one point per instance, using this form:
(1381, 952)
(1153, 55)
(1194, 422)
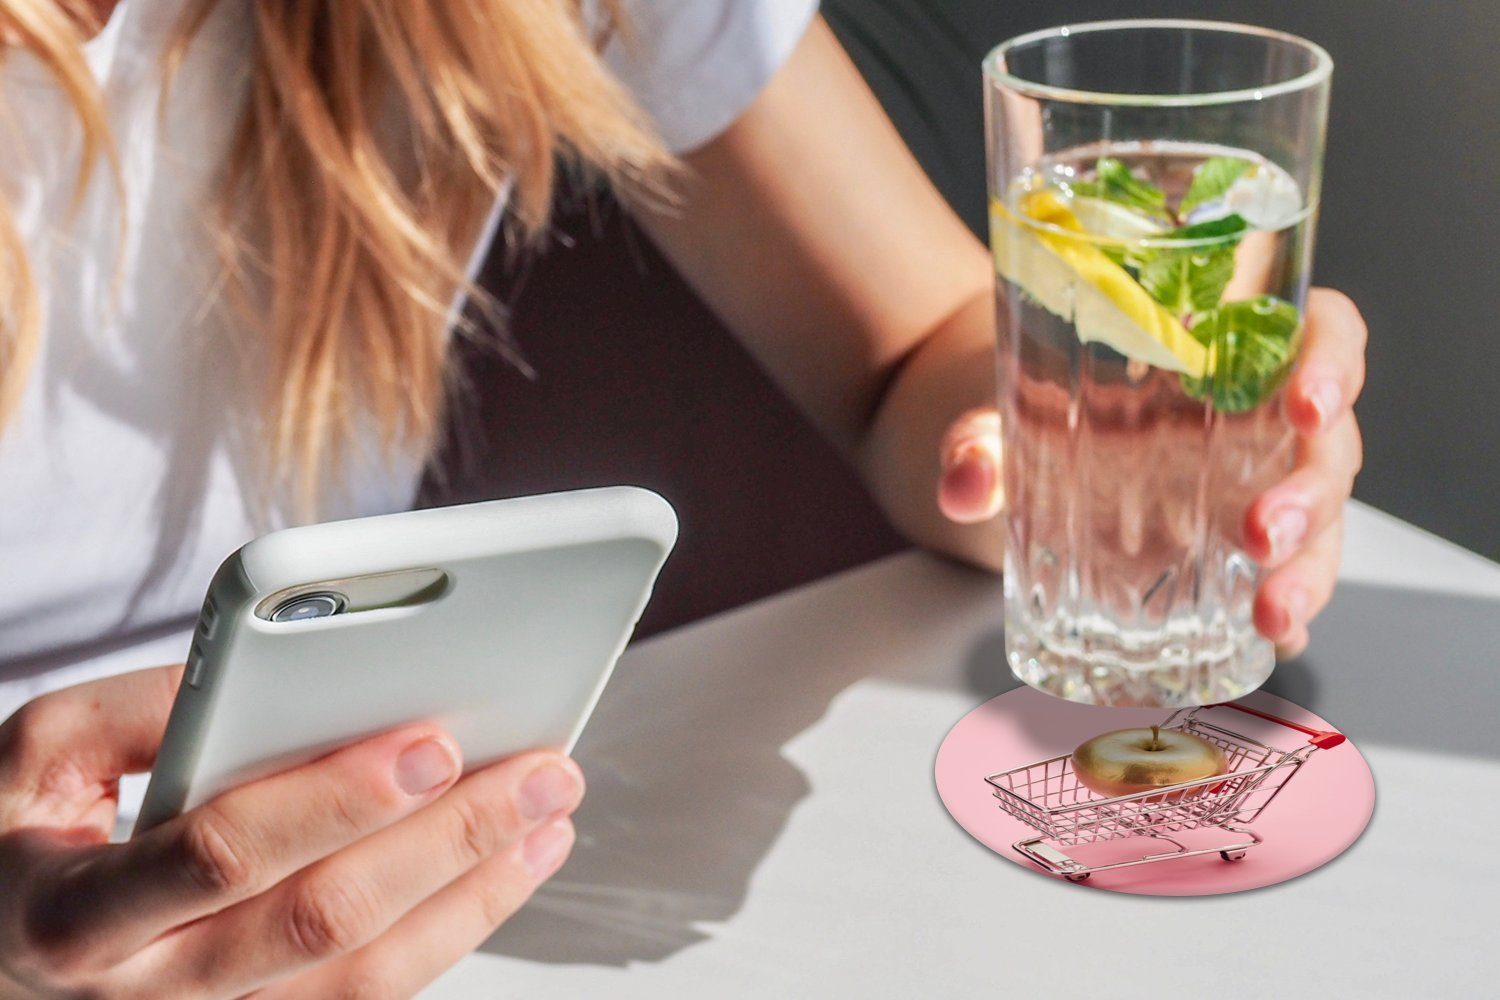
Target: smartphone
(500, 621)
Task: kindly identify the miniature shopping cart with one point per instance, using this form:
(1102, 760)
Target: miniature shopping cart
(1048, 796)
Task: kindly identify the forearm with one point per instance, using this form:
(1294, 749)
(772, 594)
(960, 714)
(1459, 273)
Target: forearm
(949, 373)
(814, 234)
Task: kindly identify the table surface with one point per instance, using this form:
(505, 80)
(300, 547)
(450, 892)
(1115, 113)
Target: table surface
(762, 821)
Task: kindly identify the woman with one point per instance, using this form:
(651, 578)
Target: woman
(234, 236)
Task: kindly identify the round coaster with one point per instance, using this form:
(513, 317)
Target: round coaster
(1319, 811)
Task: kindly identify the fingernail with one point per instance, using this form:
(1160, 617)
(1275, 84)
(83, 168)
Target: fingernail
(424, 765)
(550, 789)
(971, 471)
(1325, 396)
(969, 453)
(545, 850)
(1296, 604)
(1285, 530)
(971, 479)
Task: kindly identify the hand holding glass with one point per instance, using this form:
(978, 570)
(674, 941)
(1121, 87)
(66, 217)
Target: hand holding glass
(1153, 187)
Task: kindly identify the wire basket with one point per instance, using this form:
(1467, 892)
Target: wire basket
(1047, 796)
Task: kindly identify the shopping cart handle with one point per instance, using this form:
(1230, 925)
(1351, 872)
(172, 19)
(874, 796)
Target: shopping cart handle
(1320, 738)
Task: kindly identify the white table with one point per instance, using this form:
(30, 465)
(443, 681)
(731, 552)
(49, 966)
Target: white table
(762, 821)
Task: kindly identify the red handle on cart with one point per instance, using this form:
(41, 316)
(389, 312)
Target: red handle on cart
(1320, 738)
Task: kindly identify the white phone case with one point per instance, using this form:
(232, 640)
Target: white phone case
(538, 596)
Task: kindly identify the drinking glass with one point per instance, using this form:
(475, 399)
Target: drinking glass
(1153, 190)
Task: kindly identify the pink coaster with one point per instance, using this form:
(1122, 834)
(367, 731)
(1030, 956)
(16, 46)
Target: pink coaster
(1319, 812)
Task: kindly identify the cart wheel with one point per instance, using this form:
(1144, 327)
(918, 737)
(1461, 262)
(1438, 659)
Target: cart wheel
(1078, 878)
(1232, 855)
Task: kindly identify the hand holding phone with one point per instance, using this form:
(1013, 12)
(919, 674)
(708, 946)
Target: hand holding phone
(296, 870)
(498, 621)
(374, 862)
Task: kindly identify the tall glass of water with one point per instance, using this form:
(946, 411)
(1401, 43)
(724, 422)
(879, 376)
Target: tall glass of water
(1153, 189)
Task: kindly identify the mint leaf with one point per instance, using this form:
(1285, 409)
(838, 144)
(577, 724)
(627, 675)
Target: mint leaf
(1192, 279)
(1114, 182)
(1250, 348)
(1185, 282)
(1222, 229)
(1211, 180)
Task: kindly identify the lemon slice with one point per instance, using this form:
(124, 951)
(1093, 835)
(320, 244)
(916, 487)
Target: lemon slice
(1108, 219)
(1075, 280)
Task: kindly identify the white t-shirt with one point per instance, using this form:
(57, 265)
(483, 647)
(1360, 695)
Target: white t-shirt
(126, 475)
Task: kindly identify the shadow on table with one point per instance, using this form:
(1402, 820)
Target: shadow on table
(1387, 665)
(688, 785)
(1403, 667)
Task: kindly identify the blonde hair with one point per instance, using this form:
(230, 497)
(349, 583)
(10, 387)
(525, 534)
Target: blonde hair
(345, 258)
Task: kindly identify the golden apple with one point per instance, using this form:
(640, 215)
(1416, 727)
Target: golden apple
(1127, 761)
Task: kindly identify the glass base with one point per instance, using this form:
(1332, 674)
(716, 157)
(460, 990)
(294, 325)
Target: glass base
(1162, 681)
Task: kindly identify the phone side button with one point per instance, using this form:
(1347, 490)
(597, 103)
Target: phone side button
(194, 673)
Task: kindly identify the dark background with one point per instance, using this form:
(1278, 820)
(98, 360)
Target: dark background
(636, 381)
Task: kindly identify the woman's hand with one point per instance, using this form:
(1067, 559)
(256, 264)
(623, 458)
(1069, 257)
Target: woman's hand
(1296, 527)
(374, 868)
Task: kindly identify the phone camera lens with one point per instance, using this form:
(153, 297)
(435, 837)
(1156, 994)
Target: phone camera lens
(306, 606)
